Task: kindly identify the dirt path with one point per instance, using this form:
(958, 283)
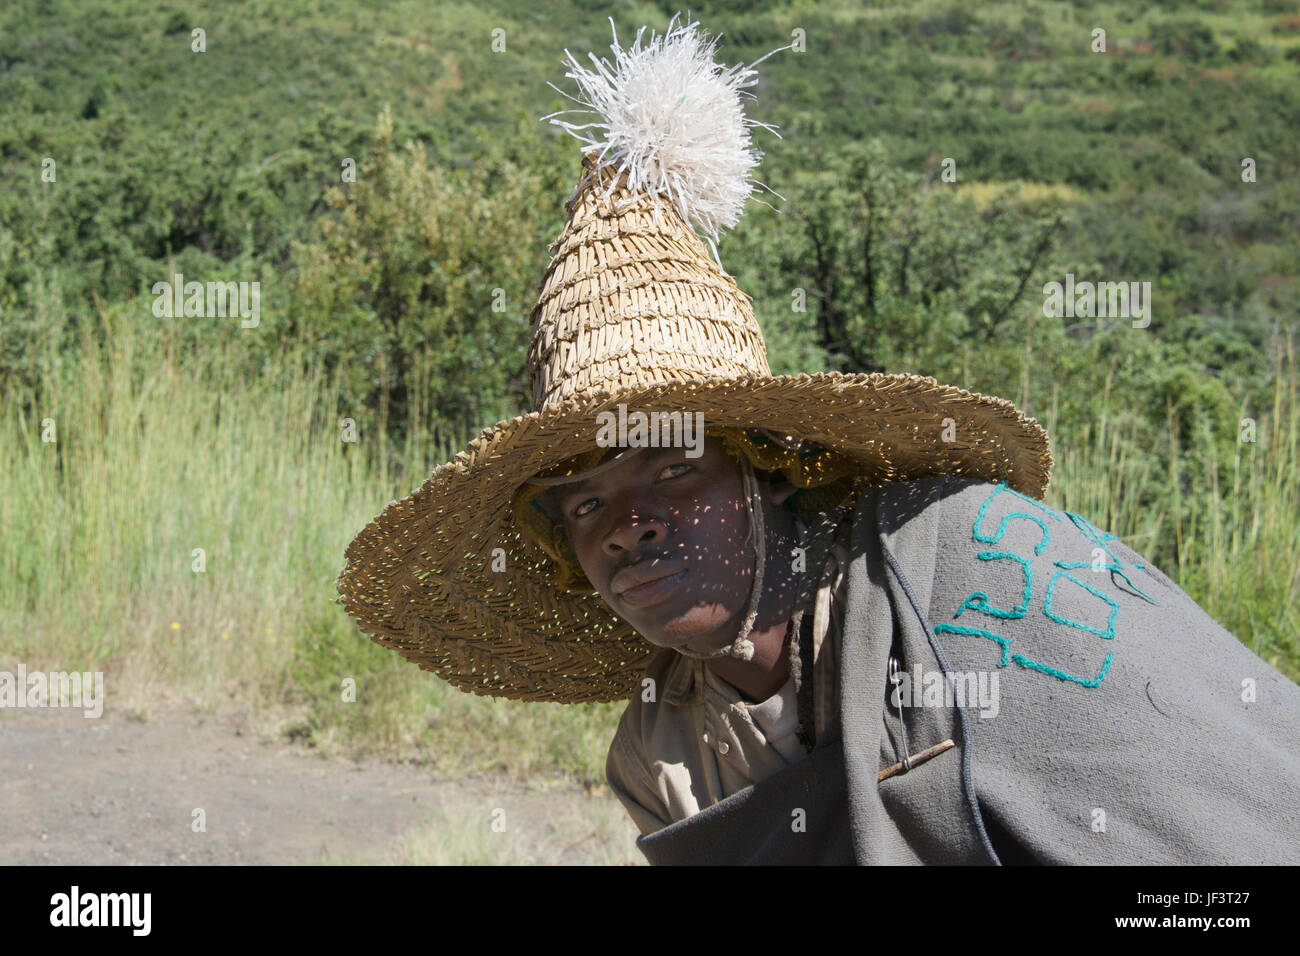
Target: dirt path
(118, 791)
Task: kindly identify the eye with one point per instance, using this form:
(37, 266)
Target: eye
(673, 471)
(586, 508)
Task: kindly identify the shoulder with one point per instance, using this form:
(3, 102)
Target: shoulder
(630, 746)
(949, 491)
(895, 505)
(629, 765)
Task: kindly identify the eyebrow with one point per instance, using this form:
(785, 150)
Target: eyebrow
(576, 487)
(565, 490)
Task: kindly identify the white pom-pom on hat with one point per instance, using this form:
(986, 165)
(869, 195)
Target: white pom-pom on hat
(673, 119)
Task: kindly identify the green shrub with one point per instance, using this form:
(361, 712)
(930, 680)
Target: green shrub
(420, 285)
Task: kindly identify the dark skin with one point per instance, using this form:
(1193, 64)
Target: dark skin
(662, 538)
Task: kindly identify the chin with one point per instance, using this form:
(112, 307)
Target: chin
(703, 627)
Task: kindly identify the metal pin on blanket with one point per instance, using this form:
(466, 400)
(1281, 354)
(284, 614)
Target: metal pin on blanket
(909, 760)
(895, 679)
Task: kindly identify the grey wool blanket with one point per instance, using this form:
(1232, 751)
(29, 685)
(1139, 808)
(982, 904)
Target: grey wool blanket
(1108, 719)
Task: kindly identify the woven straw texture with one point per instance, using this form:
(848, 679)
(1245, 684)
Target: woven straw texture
(631, 310)
(628, 302)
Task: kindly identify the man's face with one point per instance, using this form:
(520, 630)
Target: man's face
(662, 538)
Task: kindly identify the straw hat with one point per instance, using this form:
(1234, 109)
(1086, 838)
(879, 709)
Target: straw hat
(634, 311)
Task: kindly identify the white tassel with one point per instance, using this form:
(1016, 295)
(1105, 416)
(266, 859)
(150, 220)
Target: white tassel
(672, 118)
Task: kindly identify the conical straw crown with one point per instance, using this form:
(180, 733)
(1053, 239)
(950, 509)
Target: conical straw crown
(632, 299)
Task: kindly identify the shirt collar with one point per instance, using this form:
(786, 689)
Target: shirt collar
(684, 680)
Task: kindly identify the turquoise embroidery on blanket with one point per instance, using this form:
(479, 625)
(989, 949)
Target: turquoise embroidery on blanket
(1099, 538)
(1003, 642)
(979, 600)
(1093, 533)
(1114, 567)
(1002, 528)
(1046, 669)
(1108, 634)
(1007, 657)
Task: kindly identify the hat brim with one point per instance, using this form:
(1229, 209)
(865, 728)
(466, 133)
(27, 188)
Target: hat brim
(444, 578)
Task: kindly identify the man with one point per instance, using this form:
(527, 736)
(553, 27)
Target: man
(1119, 734)
(848, 628)
(664, 541)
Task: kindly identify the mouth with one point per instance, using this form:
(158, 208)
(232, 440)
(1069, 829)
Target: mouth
(647, 587)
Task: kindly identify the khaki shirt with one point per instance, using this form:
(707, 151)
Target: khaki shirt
(689, 739)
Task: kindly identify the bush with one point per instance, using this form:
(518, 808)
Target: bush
(178, 22)
(419, 288)
(1185, 38)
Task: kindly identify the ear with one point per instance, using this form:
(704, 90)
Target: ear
(549, 502)
(777, 490)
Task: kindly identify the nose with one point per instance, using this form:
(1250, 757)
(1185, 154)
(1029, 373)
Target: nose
(632, 530)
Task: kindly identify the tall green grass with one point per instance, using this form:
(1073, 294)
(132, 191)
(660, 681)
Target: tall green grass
(1243, 551)
(1234, 540)
(162, 450)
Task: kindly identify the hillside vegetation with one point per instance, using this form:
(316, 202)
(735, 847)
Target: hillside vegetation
(939, 164)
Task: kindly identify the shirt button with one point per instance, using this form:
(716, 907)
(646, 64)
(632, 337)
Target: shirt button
(724, 748)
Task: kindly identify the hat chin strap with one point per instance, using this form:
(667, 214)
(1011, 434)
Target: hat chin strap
(742, 648)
